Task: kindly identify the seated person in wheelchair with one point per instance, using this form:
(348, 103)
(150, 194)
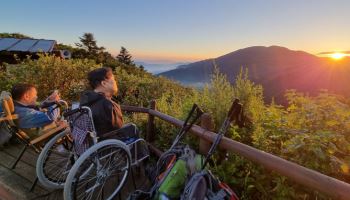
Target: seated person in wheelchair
(30, 116)
(107, 115)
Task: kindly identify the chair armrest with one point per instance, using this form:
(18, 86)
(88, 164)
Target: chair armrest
(48, 133)
(8, 118)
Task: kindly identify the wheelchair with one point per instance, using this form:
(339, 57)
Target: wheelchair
(55, 160)
(86, 166)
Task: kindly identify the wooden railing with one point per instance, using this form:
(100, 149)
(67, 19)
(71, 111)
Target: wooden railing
(333, 187)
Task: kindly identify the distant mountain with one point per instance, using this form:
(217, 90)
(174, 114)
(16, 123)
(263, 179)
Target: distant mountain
(156, 68)
(276, 68)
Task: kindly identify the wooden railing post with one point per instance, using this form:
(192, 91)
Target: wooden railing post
(207, 124)
(150, 137)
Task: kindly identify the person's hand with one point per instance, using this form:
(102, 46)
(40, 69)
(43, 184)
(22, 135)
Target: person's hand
(62, 123)
(55, 96)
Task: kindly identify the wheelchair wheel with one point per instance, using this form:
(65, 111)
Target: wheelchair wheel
(55, 161)
(100, 172)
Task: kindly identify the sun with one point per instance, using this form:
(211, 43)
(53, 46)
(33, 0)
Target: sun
(337, 56)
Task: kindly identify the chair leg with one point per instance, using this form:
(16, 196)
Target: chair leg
(133, 178)
(19, 157)
(33, 185)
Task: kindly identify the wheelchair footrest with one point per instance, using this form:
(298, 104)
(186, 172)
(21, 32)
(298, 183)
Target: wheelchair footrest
(139, 150)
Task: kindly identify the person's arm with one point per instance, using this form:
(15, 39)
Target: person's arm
(30, 118)
(53, 112)
(54, 97)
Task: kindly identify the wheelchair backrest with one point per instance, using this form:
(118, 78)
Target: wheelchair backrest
(82, 127)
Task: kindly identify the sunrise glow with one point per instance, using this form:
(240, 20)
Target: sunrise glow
(337, 56)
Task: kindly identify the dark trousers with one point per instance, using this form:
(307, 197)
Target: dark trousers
(127, 131)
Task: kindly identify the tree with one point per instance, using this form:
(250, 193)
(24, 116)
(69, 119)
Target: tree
(124, 56)
(89, 44)
(14, 35)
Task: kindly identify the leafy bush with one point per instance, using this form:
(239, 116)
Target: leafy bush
(49, 73)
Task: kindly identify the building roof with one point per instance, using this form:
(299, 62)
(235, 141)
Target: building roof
(26, 45)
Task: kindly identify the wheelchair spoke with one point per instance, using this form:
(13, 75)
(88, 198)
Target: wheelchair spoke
(50, 168)
(101, 190)
(90, 194)
(56, 171)
(109, 160)
(109, 154)
(84, 184)
(57, 174)
(87, 180)
(81, 194)
(93, 188)
(57, 163)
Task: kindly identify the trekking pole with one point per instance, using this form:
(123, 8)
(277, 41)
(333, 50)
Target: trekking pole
(233, 114)
(186, 127)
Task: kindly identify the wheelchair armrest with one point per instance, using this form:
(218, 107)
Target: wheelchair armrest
(71, 112)
(129, 140)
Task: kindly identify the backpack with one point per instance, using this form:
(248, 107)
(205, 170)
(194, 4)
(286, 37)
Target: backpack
(203, 185)
(181, 164)
(170, 175)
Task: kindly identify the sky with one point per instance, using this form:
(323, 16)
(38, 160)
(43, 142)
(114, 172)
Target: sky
(184, 30)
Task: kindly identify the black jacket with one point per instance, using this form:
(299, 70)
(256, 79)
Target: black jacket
(106, 113)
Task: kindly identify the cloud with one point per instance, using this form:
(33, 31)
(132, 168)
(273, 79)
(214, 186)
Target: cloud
(331, 52)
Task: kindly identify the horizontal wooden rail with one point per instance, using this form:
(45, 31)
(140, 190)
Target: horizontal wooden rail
(134, 109)
(333, 187)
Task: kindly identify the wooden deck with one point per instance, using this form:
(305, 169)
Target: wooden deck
(15, 184)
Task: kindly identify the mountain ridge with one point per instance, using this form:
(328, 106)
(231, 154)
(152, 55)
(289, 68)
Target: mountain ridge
(275, 68)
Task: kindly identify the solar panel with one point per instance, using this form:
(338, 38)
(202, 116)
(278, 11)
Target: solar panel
(30, 45)
(23, 45)
(43, 45)
(5, 43)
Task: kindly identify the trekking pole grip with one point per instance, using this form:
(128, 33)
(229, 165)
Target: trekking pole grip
(233, 110)
(200, 112)
(194, 107)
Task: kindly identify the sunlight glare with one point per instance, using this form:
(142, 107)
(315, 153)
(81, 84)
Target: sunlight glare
(337, 56)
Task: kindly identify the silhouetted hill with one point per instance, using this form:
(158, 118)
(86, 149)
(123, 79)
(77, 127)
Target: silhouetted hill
(276, 68)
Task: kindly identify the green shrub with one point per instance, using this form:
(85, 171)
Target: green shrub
(49, 73)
